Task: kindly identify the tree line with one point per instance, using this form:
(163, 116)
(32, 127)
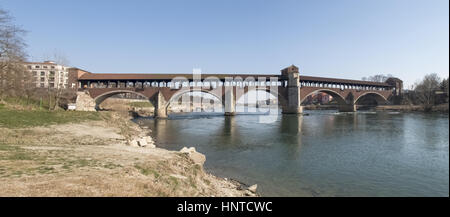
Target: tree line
(431, 90)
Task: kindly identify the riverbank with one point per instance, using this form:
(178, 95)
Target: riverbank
(444, 108)
(92, 156)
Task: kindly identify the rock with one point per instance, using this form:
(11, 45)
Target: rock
(198, 158)
(149, 139)
(142, 142)
(248, 193)
(134, 143)
(253, 188)
(187, 150)
(85, 102)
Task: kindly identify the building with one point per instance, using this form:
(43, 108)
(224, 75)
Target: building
(48, 74)
(318, 98)
(74, 74)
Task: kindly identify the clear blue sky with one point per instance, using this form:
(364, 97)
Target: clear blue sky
(345, 38)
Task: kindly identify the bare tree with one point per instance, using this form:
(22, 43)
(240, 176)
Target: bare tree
(444, 86)
(444, 89)
(425, 90)
(57, 57)
(13, 75)
(60, 94)
(378, 78)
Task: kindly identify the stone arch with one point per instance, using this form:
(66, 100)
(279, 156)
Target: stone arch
(181, 92)
(99, 99)
(377, 96)
(282, 101)
(339, 98)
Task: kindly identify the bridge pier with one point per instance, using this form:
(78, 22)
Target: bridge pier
(347, 108)
(292, 110)
(230, 102)
(84, 102)
(160, 106)
(293, 92)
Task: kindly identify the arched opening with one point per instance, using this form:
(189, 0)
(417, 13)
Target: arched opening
(259, 100)
(322, 99)
(123, 100)
(370, 100)
(195, 101)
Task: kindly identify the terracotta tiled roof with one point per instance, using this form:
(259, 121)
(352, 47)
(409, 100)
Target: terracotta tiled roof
(147, 76)
(343, 81)
(40, 63)
(142, 76)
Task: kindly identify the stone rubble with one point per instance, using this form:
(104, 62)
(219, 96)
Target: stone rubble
(197, 157)
(144, 142)
(253, 188)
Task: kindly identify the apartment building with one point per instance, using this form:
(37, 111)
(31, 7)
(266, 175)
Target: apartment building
(48, 74)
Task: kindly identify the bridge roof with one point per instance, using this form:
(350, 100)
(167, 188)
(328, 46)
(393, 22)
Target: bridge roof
(343, 81)
(148, 76)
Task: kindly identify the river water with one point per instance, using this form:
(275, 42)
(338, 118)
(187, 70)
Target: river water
(324, 153)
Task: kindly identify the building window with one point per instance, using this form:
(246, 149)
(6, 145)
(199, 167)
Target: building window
(52, 73)
(42, 84)
(35, 73)
(45, 67)
(37, 67)
(42, 73)
(29, 67)
(42, 79)
(53, 67)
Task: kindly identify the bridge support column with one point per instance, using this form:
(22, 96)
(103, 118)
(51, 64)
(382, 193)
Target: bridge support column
(85, 102)
(160, 106)
(230, 102)
(293, 93)
(347, 108)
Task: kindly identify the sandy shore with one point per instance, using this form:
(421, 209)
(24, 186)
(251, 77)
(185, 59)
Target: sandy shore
(94, 158)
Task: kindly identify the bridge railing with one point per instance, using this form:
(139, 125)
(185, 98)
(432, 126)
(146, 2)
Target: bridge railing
(178, 85)
(219, 83)
(341, 86)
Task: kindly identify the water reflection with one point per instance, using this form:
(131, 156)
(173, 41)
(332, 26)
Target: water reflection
(291, 124)
(323, 154)
(230, 132)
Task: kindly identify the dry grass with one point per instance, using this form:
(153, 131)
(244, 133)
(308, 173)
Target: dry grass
(92, 159)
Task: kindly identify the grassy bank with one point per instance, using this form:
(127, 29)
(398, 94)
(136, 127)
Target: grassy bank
(141, 104)
(11, 117)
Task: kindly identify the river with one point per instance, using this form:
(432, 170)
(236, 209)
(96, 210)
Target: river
(324, 153)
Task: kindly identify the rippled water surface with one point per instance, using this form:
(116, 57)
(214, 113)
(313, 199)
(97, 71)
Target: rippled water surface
(322, 154)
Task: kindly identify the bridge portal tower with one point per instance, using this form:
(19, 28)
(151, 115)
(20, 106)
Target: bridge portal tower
(293, 90)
